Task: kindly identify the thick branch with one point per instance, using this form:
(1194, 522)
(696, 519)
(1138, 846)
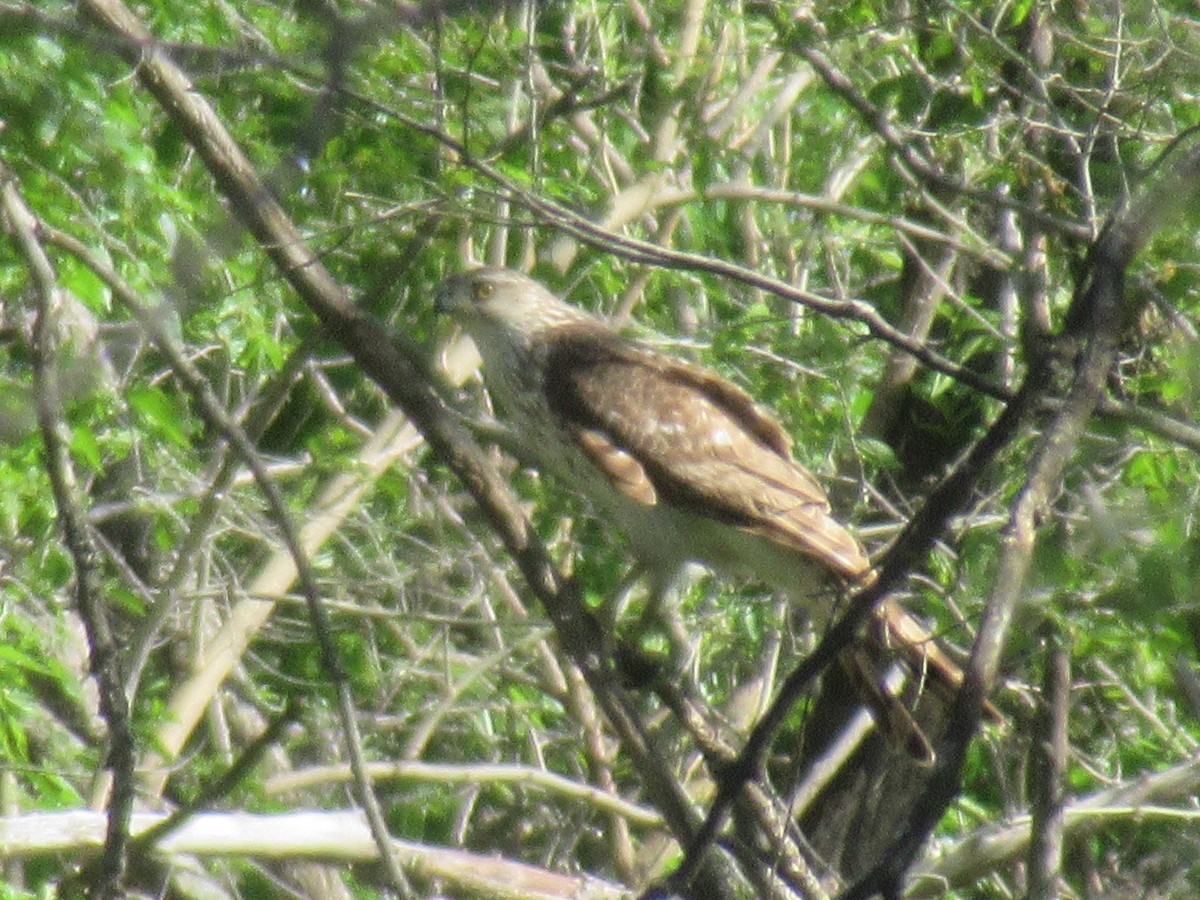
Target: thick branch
(1047, 770)
(409, 386)
(335, 836)
(1094, 322)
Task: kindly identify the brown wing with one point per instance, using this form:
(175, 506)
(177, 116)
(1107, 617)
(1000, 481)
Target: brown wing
(665, 431)
(622, 469)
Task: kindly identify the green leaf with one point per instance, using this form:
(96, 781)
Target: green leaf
(159, 411)
(85, 447)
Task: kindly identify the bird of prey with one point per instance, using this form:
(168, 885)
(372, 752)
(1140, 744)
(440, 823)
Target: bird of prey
(683, 460)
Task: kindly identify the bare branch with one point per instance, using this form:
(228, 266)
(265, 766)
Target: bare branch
(1094, 321)
(445, 773)
(1048, 770)
(405, 381)
(335, 836)
(997, 844)
(103, 658)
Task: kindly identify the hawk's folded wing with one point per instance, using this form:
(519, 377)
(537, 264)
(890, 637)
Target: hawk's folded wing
(665, 431)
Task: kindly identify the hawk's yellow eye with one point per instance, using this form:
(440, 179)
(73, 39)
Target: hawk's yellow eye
(483, 290)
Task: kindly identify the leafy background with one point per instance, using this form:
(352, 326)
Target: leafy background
(930, 170)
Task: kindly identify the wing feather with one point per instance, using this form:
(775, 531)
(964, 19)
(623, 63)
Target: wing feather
(662, 430)
(621, 469)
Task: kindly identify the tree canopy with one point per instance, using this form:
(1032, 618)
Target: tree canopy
(280, 615)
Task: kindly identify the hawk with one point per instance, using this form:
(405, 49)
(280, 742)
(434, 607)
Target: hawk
(683, 460)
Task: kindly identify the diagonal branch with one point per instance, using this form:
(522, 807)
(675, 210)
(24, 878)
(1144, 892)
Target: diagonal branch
(408, 384)
(217, 417)
(950, 497)
(103, 657)
(566, 220)
(1095, 321)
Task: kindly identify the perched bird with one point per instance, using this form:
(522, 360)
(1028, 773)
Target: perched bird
(681, 459)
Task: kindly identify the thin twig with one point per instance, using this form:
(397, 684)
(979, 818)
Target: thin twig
(474, 774)
(902, 145)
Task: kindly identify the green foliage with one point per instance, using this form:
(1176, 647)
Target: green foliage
(703, 139)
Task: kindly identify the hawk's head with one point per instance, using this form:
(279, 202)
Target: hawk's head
(503, 305)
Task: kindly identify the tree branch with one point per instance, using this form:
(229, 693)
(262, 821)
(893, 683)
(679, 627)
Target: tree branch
(1094, 321)
(337, 836)
(103, 661)
(995, 845)
(1048, 767)
(407, 383)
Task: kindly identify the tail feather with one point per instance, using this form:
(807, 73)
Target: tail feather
(890, 713)
(899, 630)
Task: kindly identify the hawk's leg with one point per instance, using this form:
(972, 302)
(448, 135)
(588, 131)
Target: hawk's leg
(659, 620)
(614, 607)
(662, 613)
